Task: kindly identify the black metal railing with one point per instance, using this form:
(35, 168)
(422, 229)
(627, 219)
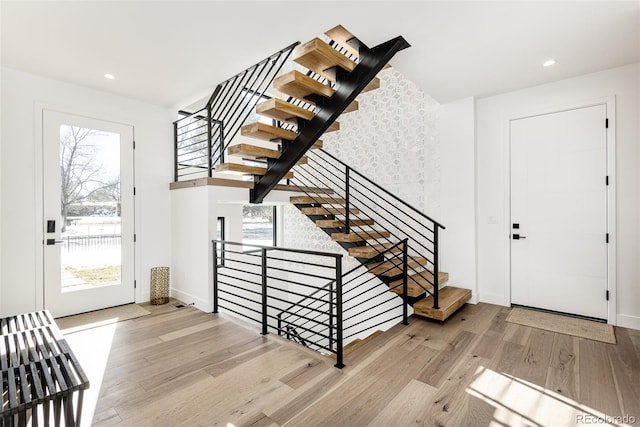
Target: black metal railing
(260, 282)
(395, 220)
(365, 305)
(201, 137)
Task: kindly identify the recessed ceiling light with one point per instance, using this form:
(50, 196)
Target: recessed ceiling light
(109, 76)
(549, 62)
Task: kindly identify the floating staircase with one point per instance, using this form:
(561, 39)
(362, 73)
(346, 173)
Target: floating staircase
(364, 243)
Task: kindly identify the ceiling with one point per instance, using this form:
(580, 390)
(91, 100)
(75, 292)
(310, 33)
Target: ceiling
(170, 53)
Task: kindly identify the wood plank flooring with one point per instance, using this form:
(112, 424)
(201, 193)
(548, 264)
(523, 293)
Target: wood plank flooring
(183, 367)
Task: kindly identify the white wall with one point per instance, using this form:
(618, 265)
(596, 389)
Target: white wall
(22, 97)
(457, 193)
(492, 114)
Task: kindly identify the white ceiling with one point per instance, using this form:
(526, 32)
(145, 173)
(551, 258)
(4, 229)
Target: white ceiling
(172, 52)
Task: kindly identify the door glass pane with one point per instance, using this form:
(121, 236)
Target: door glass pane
(90, 208)
(258, 225)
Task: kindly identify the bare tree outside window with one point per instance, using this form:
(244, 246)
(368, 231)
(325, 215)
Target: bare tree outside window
(83, 177)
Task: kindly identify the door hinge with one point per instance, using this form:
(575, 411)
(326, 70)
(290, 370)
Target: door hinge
(135, 238)
(135, 284)
(607, 180)
(134, 144)
(607, 295)
(606, 123)
(134, 191)
(607, 238)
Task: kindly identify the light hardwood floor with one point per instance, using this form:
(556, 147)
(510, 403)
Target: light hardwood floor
(183, 367)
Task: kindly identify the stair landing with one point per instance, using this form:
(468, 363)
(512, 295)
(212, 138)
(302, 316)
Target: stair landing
(449, 299)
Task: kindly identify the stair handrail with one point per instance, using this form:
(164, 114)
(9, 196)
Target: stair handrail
(225, 115)
(378, 186)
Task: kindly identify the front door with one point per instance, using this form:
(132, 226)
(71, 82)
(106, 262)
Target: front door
(559, 212)
(88, 213)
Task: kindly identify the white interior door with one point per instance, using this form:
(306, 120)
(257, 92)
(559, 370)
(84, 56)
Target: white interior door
(559, 211)
(88, 213)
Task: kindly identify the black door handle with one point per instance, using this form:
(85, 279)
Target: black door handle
(518, 237)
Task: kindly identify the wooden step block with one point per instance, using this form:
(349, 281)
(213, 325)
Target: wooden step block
(337, 223)
(327, 211)
(371, 251)
(318, 144)
(323, 200)
(393, 267)
(301, 86)
(318, 56)
(417, 283)
(373, 85)
(357, 343)
(248, 151)
(304, 189)
(246, 169)
(359, 236)
(282, 110)
(344, 38)
(352, 107)
(266, 132)
(449, 300)
(333, 127)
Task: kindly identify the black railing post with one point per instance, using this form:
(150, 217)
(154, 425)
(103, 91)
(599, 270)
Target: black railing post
(405, 290)
(264, 291)
(215, 276)
(347, 202)
(339, 344)
(175, 152)
(209, 143)
(279, 324)
(221, 124)
(436, 282)
(331, 340)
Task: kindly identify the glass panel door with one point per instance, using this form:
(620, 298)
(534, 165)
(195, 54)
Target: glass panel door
(88, 253)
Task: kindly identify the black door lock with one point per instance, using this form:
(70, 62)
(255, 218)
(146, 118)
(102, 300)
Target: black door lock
(518, 237)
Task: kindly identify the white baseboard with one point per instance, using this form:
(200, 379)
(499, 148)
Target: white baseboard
(497, 299)
(626, 321)
(199, 303)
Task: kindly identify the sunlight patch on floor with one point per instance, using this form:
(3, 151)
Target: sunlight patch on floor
(92, 348)
(519, 402)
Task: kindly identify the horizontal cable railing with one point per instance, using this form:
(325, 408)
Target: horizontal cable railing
(201, 138)
(366, 306)
(259, 282)
(366, 201)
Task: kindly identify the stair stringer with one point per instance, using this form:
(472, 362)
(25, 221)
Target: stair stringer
(348, 87)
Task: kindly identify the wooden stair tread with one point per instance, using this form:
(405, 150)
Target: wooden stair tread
(279, 109)
(323, 200)
(373, 85)
(301, 86)
(354, 106)
(342, 36)
(248, 151)
(314, 190)
(337, 223)
(317, 144)
(327, 211)
(357, 343)
(417, 283)
(318, 56)
(393, 267)
(360, 235)
(246, 169)
(449, 300)
(371, 251)
(333, 127)
(266, 132)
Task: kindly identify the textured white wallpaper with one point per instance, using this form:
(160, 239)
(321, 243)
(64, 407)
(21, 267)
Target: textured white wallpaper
(393, 140)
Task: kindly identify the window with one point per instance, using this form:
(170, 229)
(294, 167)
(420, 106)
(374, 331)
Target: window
(259, 225)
